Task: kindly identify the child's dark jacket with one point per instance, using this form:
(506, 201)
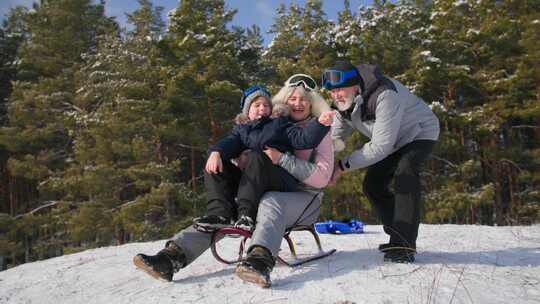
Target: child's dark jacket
(280, 133)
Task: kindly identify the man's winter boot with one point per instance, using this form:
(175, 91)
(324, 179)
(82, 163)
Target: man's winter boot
(404, 255)
(257, 266)
(164, 264)
(387, 246)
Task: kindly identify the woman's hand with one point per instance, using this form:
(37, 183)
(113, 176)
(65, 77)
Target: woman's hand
(327, 118)
(273, 154)
(214, 165)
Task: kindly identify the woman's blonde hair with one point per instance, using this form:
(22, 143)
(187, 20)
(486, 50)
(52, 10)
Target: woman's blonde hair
(318, 105)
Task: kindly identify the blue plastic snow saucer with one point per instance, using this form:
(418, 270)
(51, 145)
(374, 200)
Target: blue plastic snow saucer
(338, 227)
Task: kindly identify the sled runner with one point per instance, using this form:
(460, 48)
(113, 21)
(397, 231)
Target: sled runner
(245, 235)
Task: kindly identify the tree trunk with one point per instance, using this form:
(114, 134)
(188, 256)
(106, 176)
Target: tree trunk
(4, 184)
(193, 175)
(158, 152)
(27, 249)
(499, 196)
(120, 235)
(537, 130)
(12, 196)
(3, 263)
(214, 126)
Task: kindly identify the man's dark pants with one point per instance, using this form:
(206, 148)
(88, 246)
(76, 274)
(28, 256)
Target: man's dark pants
(248, 186)
(399, 211)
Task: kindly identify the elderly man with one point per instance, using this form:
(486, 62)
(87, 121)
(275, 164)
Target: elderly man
(402, 130)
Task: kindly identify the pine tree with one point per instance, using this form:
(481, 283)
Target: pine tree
(317, 51)
(36, 136)
(124, 136)
(302, 41)
(205, 77)
(384, 34)
(249, 50)
(477, 76)
(346, 34)
(284, 50)
(12, 35)
(526, 127)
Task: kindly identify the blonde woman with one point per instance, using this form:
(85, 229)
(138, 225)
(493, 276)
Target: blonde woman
(313, 168)
(277, 211)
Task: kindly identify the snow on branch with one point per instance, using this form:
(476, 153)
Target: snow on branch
(49, 204)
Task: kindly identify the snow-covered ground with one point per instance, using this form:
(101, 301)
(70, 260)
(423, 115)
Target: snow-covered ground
(455, 264)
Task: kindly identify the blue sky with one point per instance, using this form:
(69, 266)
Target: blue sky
(259, 12)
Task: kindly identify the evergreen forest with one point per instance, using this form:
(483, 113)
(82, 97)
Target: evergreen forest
(104, 129)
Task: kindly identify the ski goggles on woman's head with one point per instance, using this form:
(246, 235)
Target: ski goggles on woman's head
(254, 88)
(301, 80)
(336, 78)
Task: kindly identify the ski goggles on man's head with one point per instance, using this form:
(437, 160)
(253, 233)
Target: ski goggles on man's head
(336, 78)
(301, 80)
(254, 88)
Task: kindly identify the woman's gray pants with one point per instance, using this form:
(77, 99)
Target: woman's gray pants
(277, 212)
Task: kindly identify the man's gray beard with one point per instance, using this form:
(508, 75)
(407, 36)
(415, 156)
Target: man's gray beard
(345, 106)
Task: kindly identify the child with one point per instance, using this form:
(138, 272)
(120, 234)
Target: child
(254, 131)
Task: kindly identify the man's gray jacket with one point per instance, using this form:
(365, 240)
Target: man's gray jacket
(400, 117)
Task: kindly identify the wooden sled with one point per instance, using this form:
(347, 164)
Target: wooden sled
(245, 235)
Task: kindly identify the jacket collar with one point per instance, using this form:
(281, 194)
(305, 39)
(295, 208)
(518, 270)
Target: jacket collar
(371, 76)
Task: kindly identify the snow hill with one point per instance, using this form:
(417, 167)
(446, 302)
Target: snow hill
(455, 264)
